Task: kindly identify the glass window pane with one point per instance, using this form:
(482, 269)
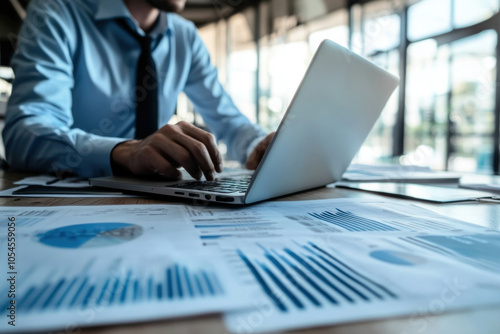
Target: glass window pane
(281, 82)
(426, 113)
(332, 26)
(428, 18)
(451, 94)
(471, 154)
(376, 35)
(308, 10)
(468, 12)
(208, 34)
(381, 26)
(376, 27)
(378, 145)
(473, 75)
(339, 35)
(381, 33)
(356, 35)
(473, 101)
(242, 63)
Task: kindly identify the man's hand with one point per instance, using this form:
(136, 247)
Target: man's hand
(256, 156)
(171, 147)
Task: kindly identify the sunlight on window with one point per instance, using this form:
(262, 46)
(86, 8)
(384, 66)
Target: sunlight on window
(429, 17)
(469, 12)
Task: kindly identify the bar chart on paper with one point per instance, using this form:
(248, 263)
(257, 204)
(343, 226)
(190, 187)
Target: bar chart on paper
(80, 291)
(165, 290)
(306, 284)
(106, 265)
(336, 279)
(278, 219)
(308, 276)
(353, 218)
(351, 222)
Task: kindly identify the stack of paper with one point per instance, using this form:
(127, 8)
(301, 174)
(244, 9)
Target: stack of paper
(490, 187)
(268, 267)
(394, 173)
(79, 266)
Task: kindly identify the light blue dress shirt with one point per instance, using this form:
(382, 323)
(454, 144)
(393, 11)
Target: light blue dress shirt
(73, 97)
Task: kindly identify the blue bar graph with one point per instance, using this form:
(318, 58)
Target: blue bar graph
(136, 290)
(177, 283)
(77, 294)
(303, 276)
(351, 222)
(292, 280)
(208, 283)
(215, 236)
(276, 280)
(66, 292)
(180, 292)
(53, 293)
(159, 291)
(170, 284)
(38, 296)
(150, 288)
(198, 285)
(87, 297)
(103, 292)
(123, 296)
(354, 273)
(267, 289)
(231, 225)
(113, 291)
(188, 282)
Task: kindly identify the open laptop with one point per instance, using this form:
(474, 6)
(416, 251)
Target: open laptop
(338, 101)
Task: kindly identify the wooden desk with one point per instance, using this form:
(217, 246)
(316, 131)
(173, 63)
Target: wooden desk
(486, 320)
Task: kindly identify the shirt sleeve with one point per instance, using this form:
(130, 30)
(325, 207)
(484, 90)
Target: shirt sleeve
(38, 133)
(216, 107)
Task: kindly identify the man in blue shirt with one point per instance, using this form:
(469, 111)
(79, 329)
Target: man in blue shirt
(74, 99)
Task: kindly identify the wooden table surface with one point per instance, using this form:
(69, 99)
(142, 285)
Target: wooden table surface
(483, 320)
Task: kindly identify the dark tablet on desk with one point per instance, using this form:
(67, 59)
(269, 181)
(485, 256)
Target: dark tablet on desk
(418, 191)
(47, 190)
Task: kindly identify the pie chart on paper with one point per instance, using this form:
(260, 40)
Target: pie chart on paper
(90, 235)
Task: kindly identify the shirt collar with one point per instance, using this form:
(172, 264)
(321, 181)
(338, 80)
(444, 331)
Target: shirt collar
(113, 9)
(162, 26)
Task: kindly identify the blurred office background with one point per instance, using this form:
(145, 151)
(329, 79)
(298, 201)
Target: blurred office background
(446, 112)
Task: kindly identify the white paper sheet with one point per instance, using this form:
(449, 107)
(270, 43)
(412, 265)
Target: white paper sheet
(491, 187)
(315, 263)
(82, 266)
(54, 181)
(337, 279)
(395, 173)
(286, 219)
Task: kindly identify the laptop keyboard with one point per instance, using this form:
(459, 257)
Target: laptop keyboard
(224, 185)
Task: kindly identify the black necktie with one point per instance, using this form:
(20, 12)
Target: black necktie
(146, 112)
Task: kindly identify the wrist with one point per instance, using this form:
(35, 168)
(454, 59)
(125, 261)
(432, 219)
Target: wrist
(120, 157)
